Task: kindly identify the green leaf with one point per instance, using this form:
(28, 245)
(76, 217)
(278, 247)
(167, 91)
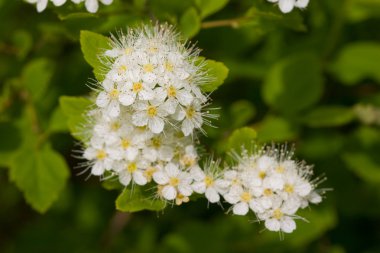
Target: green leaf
(40, 174)
(77, 15)
(294, 83)
(241, 112)
(322, 220)
(363, 166)
(208, 7)
(276, 129)
(23, 41)
(58, 121)
(75, 109)
(190, 23)
(357, 61)
(36, 77)
(241, 138)
(137, 200)
(360, 10)
(93, 45)
(217, 72)
(329, 116)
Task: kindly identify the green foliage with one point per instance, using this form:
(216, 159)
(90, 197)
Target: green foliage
(329, 116)
(41, 174)
(190, 23)
(36, 77)
(356, 62)
(208, 7)
(295, 78)
(92, 45)
(294, 83)
(136, 200)
(217, 73)
(74, 109)
(242, 138)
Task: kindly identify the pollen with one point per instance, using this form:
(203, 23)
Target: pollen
(136, 87)
(101, 154)
(148, 68)
(156, 142)
(267, 192)
(114, 94)
(277, 214)
(128, 51)
(174, 181)
(152, 111)
(168, 66)
(209, 181)
(172, 92)
(289, 188)
(132, 167)
(245, 197)
(187, 160)
(190, 112)
(122, 69)
(125, 143)
(148, 173)
(280, 169)
(153, 49)
(115, 126)
(262, 174)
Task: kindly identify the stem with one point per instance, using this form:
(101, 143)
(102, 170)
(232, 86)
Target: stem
(234, 23)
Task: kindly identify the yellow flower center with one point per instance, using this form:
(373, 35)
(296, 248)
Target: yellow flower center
(277, 214)
(267, 192)
(148, 68)
(172, 92)
(209, 181)
(128, 50)
(168, 66)
(136, 87)
(114, 93)
(125, 143)
(280, 169)
(153, 49)
(148, 173)
(122, 69)
(173, 181)
(187, 160)
(101, 154)
(152, 111)
(115, 126)
(132, 167)
(190, 112)
(245, 197)
(156, 142)
(262, 174)
(289, 188)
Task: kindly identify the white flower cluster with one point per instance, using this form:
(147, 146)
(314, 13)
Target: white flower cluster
(287, 6)
(91, 5)
(271, 184)
(148, 109)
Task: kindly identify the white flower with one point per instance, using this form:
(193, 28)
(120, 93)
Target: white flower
(132, 170)
(208, 183)
(109, 98)
(150, 114)
(102, 157)
(287, 6)
(174, 182)
(41, 4)
(241, 198)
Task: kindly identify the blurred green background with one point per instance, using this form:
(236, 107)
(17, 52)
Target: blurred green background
(311, 78)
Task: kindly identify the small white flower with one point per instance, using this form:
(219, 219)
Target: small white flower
(150, 114)
(132, 170)
(41, 4)
(174, 182)
(287, 6)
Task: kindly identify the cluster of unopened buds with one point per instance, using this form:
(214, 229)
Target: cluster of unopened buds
(148, 111)
(91, 5)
